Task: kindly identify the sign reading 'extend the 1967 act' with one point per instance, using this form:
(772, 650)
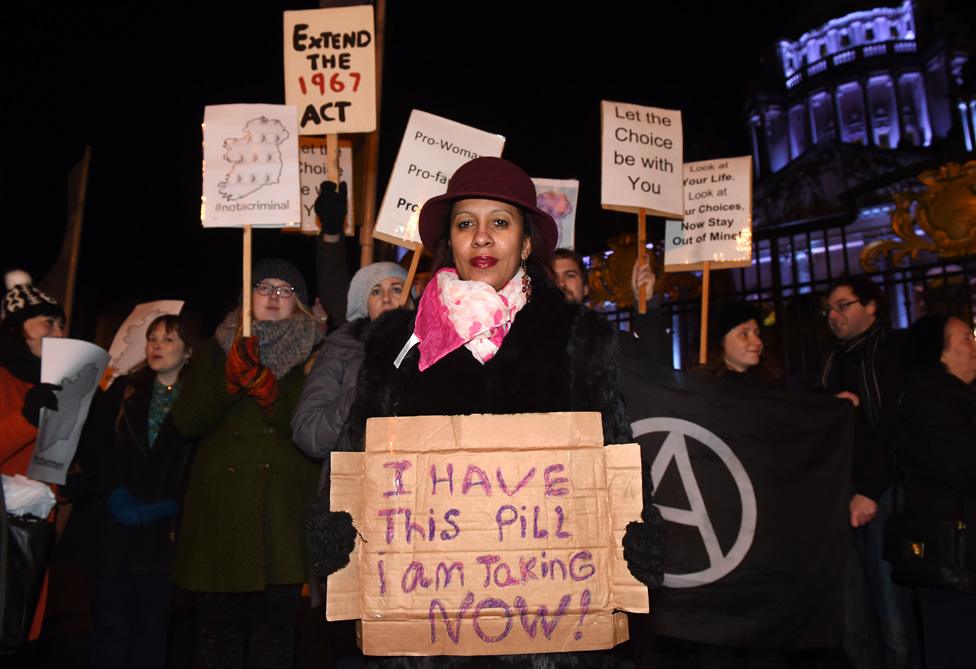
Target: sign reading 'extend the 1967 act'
(330, 69)
(486, 535)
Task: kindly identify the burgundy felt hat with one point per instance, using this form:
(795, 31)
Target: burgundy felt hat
(490, 179)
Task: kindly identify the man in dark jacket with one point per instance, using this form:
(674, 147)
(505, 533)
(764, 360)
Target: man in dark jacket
(866, 366)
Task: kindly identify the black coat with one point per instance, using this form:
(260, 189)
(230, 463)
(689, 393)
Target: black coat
(119, 438)
(556, 357)
(937, 455)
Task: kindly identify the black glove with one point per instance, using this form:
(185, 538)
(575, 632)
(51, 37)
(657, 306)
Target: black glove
(645, 545)
(41, 395)
(331, 537)
(330, 207)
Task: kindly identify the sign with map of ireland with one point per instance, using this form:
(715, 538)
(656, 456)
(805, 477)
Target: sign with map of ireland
(250, 167)
(76, 366)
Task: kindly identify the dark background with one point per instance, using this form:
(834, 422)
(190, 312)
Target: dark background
(132, 82)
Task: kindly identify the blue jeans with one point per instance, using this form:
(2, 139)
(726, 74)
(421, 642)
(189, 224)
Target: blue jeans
(879, 624)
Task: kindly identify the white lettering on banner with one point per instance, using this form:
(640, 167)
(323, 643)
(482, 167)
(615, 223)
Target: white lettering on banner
(675, 449)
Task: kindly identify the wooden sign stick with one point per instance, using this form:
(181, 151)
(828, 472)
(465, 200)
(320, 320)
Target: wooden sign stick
(246, 292)
(641, 254)
(332, 171)
(703, 346)
(418, 250)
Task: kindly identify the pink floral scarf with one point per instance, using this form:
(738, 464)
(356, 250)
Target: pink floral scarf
(453, 313)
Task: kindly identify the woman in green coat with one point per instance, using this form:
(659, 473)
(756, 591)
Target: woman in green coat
(241, 546)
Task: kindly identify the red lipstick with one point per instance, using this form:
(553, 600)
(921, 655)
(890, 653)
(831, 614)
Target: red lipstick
(483, 262)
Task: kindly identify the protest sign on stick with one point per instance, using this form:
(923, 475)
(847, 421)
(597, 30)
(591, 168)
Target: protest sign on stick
(330, 69)
(250, 175)
(314, 167)
(76, 366)
(486, 535)
(431, 150)
(641, 171)
(558, 198)
(716, 230)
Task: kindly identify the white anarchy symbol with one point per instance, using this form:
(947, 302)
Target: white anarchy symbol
(675, 448)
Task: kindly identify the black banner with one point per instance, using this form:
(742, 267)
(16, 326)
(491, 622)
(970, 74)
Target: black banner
(754, 484)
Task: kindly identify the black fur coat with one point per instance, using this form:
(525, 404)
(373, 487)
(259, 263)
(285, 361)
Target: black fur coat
(556, 357)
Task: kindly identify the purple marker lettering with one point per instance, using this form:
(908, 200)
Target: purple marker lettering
(536, 532)
(398, 467)
(382, 577)
(521, 484)
(585, 570)
(469, 481)
(487, 560)
(449, 479)
(525, 569)
(430, 526)
(551, 483)
(415, 573)
(453, 633)
(559, 524)
(442, 567)
(445, 535)
(491, 603)
(502, 523)
(388, 514)
(507, 580)
(552, 568)
(548, 626)
(412, 527)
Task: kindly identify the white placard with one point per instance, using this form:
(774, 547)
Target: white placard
(128, 347)
(558, 198)
(717, 225)
(76, 366)
(642, 156)
(431, 150)
(250, 167)
(312, 165)
(330, 69)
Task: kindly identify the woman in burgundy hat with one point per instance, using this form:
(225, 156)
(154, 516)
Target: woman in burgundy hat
(492, 335)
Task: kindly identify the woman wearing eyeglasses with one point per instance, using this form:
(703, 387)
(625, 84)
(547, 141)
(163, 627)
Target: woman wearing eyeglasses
(241, 547)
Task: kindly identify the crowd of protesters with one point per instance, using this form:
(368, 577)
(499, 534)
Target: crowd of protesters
(201, 469)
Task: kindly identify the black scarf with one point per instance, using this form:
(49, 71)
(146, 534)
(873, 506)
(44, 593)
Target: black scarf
(868, 346)
(23, 364)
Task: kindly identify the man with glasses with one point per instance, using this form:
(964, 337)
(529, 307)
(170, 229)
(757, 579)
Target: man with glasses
(866, 367)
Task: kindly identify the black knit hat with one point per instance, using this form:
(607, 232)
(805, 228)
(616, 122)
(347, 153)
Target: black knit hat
(732, 314)
(279, 268)
(23, 300)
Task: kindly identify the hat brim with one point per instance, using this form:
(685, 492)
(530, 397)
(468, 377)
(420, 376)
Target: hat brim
(432, 222)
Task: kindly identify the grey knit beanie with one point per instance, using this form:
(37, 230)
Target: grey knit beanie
(363, 282)
(279, 268)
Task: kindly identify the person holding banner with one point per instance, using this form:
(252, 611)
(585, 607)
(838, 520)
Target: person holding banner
(736, 351)
(28, 316)
(241, 545)
(141, 468)
(492, 334)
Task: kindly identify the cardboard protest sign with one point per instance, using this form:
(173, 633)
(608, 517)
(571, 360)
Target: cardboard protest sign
(486, 535)
(128, 347)
(642, 156)
(250, 167)
(313, 168)
(717, 225)
(76, 366)
(431, 150)
(558, 198)
(330, 69)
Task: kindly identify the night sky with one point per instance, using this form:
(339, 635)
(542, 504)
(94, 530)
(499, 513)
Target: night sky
(132, 83)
